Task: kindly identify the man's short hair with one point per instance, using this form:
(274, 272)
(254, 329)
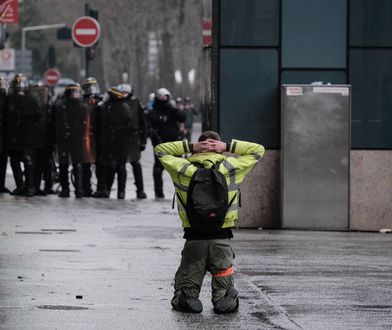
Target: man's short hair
(209, 135)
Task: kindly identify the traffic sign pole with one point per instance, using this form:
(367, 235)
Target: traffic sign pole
(87, 58)
(85, 33)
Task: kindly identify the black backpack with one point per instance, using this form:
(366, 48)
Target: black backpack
(207, 199)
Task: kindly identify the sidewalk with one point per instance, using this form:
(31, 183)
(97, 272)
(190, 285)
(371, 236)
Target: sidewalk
(109, 264)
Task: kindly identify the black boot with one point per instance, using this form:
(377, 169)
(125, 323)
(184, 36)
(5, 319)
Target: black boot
(37, 184)
(138, 175)
(64, 181)
(121, 181)
(39, 170)
(78, 177)
(158, 182)
(100, 173)
(29, 175)
(49, 176)
(18, 176)
(110, 173)
(189, 301)
(87, 191)
(228, 304)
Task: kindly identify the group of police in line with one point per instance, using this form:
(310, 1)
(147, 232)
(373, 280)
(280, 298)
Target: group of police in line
(83, 128)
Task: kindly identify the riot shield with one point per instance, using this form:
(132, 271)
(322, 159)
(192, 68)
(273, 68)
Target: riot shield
(38, 100)
(134, 142)
(21, 120)
(82, 124)
(63, 129)
(119, 132)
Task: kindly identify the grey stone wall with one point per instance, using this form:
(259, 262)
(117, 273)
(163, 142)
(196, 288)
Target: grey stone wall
(370, 192)
(260, 194)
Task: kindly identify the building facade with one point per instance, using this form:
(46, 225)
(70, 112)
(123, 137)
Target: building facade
(258, 45)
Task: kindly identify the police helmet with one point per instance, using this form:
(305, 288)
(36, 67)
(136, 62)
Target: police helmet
(90, 87)
(115, 93)
(126, 88)
(73, 91)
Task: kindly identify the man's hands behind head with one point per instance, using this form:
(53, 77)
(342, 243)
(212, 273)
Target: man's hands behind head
(209, 146)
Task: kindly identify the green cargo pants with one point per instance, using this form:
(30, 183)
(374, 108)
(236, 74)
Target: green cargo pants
(199, 256)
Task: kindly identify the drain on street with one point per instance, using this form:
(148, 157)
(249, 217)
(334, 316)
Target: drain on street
(33, 233)
(63, 308)
(58, 250)
(62, 230)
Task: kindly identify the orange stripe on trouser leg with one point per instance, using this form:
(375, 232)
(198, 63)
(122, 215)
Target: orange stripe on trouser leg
(226, 272)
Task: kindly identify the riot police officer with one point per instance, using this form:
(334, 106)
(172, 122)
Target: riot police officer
(25, 133)
(164, 122)
(91, 98)
(44, 155)
(140, 140)
(74, 136)
(3, 153)
(123, 137)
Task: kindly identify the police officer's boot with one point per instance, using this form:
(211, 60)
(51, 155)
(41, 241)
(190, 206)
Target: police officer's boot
(39, 169)
(49, 177)
(121, 181)
(87, 191)
(29, 176)
(3, 170)
(158, 182)
(37, 184)
(64, 181)
(18, 177)
(110, 173)
(138, 175)
(100, 173)
(78, 177)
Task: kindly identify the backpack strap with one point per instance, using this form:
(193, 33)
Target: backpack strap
(174, 198)
(179, 199)
(239, 198)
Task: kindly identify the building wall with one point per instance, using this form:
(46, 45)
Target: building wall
(260, 194)
(260, 44)
(370, 192)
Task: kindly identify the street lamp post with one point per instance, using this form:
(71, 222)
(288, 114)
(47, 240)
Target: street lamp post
(38, 27)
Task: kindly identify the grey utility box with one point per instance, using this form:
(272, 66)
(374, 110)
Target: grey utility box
(315, 156)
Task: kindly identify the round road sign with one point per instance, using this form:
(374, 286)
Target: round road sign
(85, 31)
(51, 77)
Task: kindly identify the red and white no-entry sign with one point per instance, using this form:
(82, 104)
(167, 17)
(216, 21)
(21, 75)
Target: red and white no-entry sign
(51, 77)
(85, 31)
(207, 33)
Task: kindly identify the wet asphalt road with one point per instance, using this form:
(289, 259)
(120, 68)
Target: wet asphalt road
(109, 264)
